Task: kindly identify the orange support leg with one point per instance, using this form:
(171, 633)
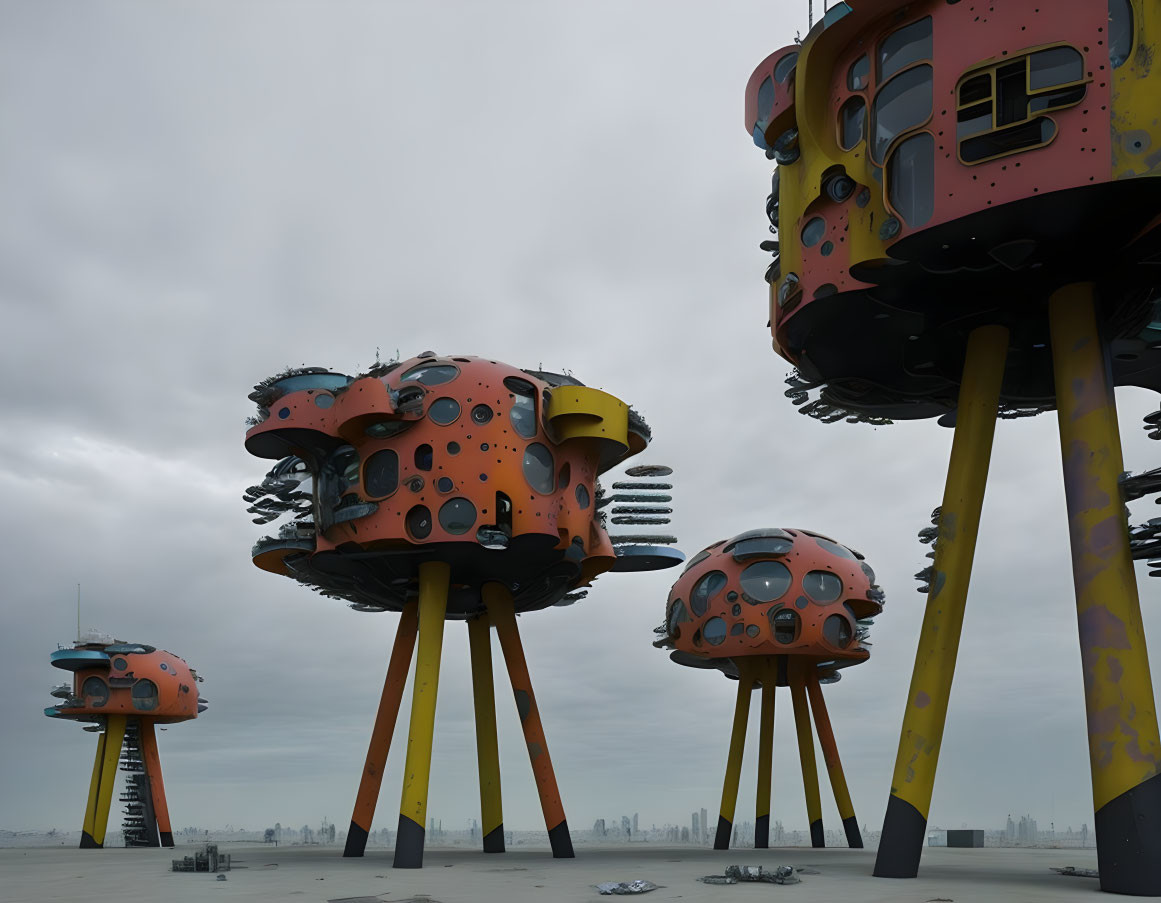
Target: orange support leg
(834, 767)
(502, 612)
(382, 732)
(153, 778)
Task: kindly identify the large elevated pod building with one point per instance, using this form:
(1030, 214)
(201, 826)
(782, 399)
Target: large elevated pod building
(968, 214)
(452, 488)
(122, 691)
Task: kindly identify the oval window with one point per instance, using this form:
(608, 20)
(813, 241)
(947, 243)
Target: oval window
(822, 586)
(95, 691)
(424, 456)
(901, 104)
(677, 615)
(385, 429)
(418, 522)
(457, 516)
(582, 496)
(765, 100)
(1120, 31)
(144, 695)
(381, 474)
(904, 46)
(444, 411)
(761, 547)
(835, 549)
(785, 624)
(859, 75)
(564, 477)
(704, 590)
(538, 468)
(431, 374)
(911, 179)
(785, 66)
(837, 631)
(852, 122)
(765, 581)
(813, 231)
(714, 631)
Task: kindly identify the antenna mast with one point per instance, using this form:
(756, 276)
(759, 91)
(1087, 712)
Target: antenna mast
(78, 612)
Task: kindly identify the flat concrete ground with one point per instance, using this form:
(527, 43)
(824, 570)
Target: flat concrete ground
(319, 875)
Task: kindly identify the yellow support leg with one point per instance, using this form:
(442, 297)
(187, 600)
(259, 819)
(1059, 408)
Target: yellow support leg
(87, 841)
(905, 824)
(1124, 747)
(765, 755)
(114, 737)
(434, 578)
(734, 760)
(806, 753)
(487, 745)
(834, 766)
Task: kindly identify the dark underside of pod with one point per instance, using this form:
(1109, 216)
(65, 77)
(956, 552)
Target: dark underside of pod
(896, 349)
(538, 574)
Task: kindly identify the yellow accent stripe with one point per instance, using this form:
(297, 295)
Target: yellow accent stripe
(737, 740)
(114, 737)
(94, 787)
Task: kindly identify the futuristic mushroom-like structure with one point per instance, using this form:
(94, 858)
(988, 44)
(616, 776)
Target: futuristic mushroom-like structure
(121, 691)
(968, 209)
(451, 488)
(776, 608)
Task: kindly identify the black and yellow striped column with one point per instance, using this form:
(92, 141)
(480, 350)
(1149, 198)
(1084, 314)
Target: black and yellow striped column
(382, 731)
(434, 577)
(765, 754)
(806, 752)
(905, 823)
(1124, 747)
(834, 766)
(734, 759)
(502, 612)
(487, 745)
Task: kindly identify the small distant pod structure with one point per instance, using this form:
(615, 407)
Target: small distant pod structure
(776, 607)
(121, 690)
(967, 199)
(451, 488)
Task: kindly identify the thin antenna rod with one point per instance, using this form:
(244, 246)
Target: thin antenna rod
(78, 612)
(810, 13)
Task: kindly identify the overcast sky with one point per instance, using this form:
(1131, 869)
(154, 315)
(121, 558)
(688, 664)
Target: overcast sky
(198, 194)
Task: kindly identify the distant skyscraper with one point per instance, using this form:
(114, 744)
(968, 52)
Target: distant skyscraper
(704, 828)
(695, 832)
(635, 814)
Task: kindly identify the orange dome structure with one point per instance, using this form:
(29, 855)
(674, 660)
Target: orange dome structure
(450, 488)
(122, 690)
(967, 201)
(775, 608)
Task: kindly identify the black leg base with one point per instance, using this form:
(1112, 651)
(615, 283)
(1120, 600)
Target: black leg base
(854, 836)
(762, 832)
(87, 842)
(561, 842)
(901, 845)
(409, 844)
(356, 841)
(817, 838)
(1128, 836)
(722, 838)
(494, 840)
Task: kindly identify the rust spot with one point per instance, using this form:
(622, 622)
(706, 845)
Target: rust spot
(523, 704)
(534, 751)
(1105, 538)
(922, 700)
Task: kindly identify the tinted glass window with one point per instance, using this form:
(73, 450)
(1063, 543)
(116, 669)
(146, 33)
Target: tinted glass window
(381, 474)
(785, 66)
(444, 410)
(911, 179)
(538, 468)
(423, 457)
(384, 429)
(704, 590)
(761, 547)
(813, 231)
(1120, 31)
(431, 374)
(765, 100)
(901, 104)
(852, 122)
(714, 631)
(95, 691)
(144, 695)
(457, 516)
(564, 477)
(582, 496)
(905, 46)
(1057, 66)
(785, 623)
(822, 586)
(837, 631)
(765, 581)
(859, 75)
(418, 522)
(1022, 136)
(677, 615)
(835, 549)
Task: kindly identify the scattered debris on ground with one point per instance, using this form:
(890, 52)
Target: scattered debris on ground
(1074, 872)
(221, 877)
(207, 861)
(782, 874)
(620, 887)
